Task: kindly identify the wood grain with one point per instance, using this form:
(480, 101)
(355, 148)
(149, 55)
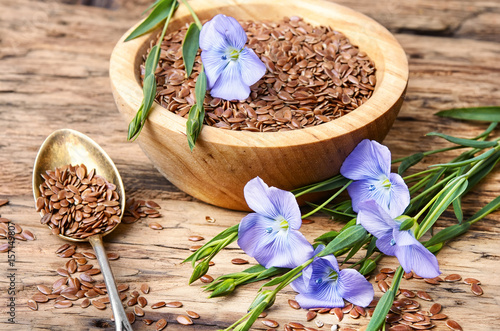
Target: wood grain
(54, 73)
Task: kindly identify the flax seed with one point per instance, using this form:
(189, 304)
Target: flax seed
(160, 325)
(174, 304)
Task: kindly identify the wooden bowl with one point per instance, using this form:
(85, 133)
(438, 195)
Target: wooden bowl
(223, 161)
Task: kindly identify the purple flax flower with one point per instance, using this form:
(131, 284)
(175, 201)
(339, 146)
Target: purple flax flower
(369, 165)
(322, 284)
(231, 68)
(412, 255)
(271, 235)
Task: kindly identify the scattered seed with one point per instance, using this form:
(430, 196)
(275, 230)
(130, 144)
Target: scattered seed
(387, 270)
(3, 202)
(338, 313)
(152, 204)
(131, 317)
(431, 281)
(439, 317)
(453, 325)
(424, 295)
(476, 289)
(4, 248)
(85, 303)
(98, 304)
(142, 301)
(160, 325)
(311, 315)
(195, 238)
(174, 304)
(155, 226)
(383, 286)
(294, 304)
(206, 279)
(239, 261)
(158, 305)
(195, 315)
(471, 281)
(452, 278)
(380, 276)
(209, 219)
(63, 304)
(435, 309)
(184, 320)
(270, 323)
(32, 304)
(40, 297)
(407, 293)
(113, 256)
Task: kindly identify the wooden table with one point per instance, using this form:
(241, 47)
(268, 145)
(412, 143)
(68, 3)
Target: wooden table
(54, 74)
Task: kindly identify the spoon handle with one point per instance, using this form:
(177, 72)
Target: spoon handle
(121, 320)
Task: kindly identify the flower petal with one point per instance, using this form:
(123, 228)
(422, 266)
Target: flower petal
(368, 189)
(253, 233)
(400, 195)
(419, 259)
(252, 68)
(222, 31)
(354, 287)
(404, 238)
(289, 249)
(214, 65)
(368, 160)
(375, 219)
(327, 298)
(384, 245)
(272, 202)
(230, 85)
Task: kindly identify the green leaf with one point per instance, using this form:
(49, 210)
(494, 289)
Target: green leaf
(371, 247)
(200, 89)
(326, 237)
(151, 6)
(213, 242)
(327, 185)
(159, 14)
(224, 288)
(483, 170)
(448, 194)
(435, 248)
(407, 223)
(487, 114)
(447, 234)
(367, 267)
(464, 142)
(197, 112)
(466, 162)
(190, 47)
(357, 246)
(152, 61)
(347, 238)
(149, 89)
(409, 162)
(486, 210)
(457, 208)
(199, 271)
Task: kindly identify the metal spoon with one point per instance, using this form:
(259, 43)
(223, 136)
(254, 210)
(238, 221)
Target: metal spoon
(67, 146)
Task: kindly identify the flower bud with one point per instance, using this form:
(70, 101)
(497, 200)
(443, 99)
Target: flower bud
(367, 267)
(200, 270)
(224, 288)
(266, 297)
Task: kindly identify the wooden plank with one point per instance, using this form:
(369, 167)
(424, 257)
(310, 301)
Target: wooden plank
(54, 62)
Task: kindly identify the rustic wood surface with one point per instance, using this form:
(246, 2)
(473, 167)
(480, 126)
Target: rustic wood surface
(54, 74)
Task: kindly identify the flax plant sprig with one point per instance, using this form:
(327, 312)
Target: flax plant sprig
(433, 191)
(162, 11)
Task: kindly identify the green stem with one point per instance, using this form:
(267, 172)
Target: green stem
(433, 187)
(193, 14)
(238, 321)
(327, 201)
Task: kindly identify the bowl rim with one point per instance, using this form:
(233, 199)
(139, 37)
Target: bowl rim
(387, 92)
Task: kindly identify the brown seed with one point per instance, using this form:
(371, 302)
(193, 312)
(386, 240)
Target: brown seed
(431, 281)
(32, 304)
(294, 304)
(152, 204)
(383, 286)
(407, 293)
(122, 287)
(131, 317)
(113, 256)
(193, 314)
(311, 315)
(3, 202)
(338, 313)
(142, 301)
(439, 316)
(471, 281)
(380, 276)
(85, 303)
(158, 305)
(195, 238)
(89, 255)
(98, 304)
(40, 297)
(174, 304)
(132, 302)
(145, 288)
(44, 289)
(399, 327)
(347, 308)
(261, 315)
(452, 278)
(160, 325)
(147, 321)
(28, 235)
(63, 304)
(270, 323)
(387, 270)
(138, 311)
(435, 309)
(424, 295)
(155, 226)
(4, 247)
(453, 325)
(295, 325)
(239, 261)
(206, 279)
(354, 313)
(93, 271)
(184, 320)
(476, 289)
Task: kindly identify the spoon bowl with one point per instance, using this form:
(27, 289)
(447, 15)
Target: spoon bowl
(68, 146)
